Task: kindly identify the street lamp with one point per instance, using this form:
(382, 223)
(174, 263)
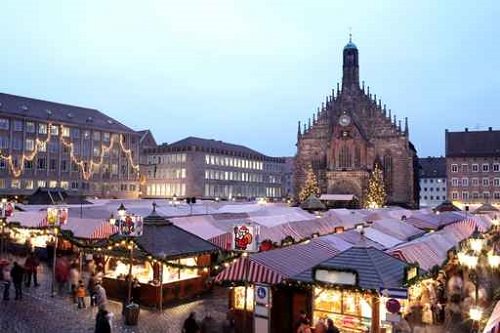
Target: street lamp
(122, 211)
(477, 241)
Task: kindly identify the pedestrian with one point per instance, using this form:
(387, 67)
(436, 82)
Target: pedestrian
(74, 277)
(17, 274)
(80, 295)
(208, 325)
(136, 291)
(190, 324)
(330, 326)
(31, 267)
(304, 326)
(101, 298)
(102, 321)
(302, 316)
(91, 287)
(320, 326)
(229, 325)
(6, 280)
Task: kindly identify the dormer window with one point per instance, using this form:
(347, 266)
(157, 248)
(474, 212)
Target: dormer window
(24, 108)
(89, 119)
(49, 112)
(70, 115)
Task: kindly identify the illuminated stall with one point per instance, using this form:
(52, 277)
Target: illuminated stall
(361, 289)
(169, 263)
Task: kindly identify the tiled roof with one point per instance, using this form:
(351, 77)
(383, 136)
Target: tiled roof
(473, 143)
(432, 167)
(375, 268)
(161, 238)
(67, 114)
(216, 145)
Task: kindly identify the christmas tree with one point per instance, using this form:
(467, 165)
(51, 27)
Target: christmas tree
(310, 186)
(375, 193)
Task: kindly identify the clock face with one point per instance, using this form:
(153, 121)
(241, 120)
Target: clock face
(344, 120)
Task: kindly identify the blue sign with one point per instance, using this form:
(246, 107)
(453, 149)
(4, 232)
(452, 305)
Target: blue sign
(261, 292)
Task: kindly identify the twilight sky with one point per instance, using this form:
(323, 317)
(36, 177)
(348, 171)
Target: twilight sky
(245, 71)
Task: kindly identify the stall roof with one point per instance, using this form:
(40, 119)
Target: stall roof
(163, 239)
(493, 324)
(375, 269)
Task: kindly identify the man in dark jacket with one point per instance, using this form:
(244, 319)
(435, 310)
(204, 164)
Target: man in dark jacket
(190, 324)
(17, 274)
(102, 322)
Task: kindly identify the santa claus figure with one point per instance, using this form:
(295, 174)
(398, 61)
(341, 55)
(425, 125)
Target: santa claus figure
(242, 237)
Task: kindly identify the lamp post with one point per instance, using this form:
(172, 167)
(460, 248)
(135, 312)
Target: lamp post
(56, 216)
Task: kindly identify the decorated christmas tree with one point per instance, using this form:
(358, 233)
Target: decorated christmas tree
(375, 193)
(310, 186)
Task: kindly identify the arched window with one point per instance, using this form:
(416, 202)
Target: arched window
(345, 158)
(388, 169)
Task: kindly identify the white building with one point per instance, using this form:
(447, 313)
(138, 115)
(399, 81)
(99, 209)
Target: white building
(432, 171)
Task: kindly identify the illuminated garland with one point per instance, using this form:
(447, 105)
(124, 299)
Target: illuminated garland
(86, 174)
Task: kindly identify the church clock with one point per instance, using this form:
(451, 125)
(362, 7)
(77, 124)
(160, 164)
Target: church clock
(344, 120)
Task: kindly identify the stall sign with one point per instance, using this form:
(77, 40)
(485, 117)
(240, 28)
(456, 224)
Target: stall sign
(246, 238)
(262, 312)
(392, 305)
(399, 293)
(6, 209)
(57, 216)
(131, 226)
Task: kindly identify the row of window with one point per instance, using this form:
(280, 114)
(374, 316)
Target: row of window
(431, 180)
(166, 189)
(474, 195)
(73, 132)
(485, 167)
(437, 197)
(64, 165)
(241, 191)
(475, 182)
(167, 173)
(233, 162)
(167, 159)
(234, 176)
(30, 184)
(432, 189)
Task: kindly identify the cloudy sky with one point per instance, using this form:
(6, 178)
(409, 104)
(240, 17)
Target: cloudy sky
(245, 71)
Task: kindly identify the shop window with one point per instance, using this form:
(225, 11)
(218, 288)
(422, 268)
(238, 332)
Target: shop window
(239, 298)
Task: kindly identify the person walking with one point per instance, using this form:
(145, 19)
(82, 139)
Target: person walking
(62, 273)
(31, 267)
(17, 274)
(190, 324)
(80, 295)
(6, 281)
(330, 326)
(304, 326)
(102, 322)
(74, 277)
(101, 298)
(91, 287)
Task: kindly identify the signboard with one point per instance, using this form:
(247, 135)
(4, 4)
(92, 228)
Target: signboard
(335, 277)
(246, 237)
(131, 226)
(392, 305)
(6, 209)
(262, 308)
(399, 293)
(57, 216)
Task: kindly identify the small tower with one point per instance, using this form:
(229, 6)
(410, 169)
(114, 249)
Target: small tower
(350, 78)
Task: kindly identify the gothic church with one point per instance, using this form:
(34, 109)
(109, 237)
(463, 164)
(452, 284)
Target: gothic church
(349, 134)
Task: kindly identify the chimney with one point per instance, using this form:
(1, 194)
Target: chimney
(490, 129)
(466, 129)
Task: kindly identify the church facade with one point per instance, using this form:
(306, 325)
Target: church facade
(349, 134)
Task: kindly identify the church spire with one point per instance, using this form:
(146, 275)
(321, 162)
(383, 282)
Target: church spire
(406, 126)
(350, 78)
(298, 131)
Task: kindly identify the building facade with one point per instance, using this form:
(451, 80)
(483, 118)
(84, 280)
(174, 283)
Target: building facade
(433, 181)
(349, 134)
(473, 166)
(202, 168)
(51, 145)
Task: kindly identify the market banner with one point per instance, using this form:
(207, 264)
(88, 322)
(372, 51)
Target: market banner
(131, 226)
(6, 209)
(246, 238)
(57, 216)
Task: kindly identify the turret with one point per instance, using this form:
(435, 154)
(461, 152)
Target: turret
(350, 78)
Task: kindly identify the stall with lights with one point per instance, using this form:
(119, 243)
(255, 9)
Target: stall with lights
(169, 263)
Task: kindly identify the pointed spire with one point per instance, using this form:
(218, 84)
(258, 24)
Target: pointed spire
(309, 124)
(406, 126)
(390, 114)
(305, 128)
(322, 105)
(368, 90)
(314, 118)
(385, 110)
(298, 130)
(350, 37)
(399, 125)
(363, 86)
(333, 93)
(338, 89)
(379, 103)
(394, 122)
(318, 114)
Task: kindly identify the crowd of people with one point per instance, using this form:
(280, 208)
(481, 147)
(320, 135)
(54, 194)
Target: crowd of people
(208, 325)
(69, 280)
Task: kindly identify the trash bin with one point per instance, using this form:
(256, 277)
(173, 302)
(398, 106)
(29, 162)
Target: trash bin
(132, 314)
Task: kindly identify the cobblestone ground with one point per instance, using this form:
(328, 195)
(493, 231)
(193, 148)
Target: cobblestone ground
(39, 312)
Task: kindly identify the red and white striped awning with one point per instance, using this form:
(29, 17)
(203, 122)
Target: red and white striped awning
(104, 231)
(245, 269)
(493, 324)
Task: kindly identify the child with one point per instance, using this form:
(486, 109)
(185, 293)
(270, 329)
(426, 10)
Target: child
(80, 294)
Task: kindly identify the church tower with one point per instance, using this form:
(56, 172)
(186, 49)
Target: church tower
(350, 77)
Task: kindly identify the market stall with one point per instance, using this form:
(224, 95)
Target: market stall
(169, 264)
